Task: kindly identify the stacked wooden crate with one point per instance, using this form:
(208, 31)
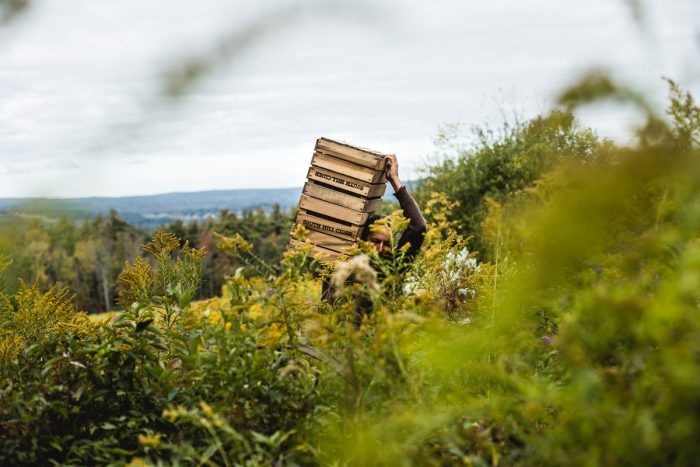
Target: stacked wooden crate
(344, 186)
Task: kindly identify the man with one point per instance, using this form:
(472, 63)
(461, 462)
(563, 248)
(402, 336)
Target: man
(379, 239)
(415, 232)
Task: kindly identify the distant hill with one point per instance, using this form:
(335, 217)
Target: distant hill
(150, 211)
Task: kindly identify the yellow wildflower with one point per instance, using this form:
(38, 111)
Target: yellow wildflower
(206, 409)
(137, 462)
(162, 242)
(173, 414)
(195, 254)
(214, 317)
(255, 312)
(149, 440)
(274, 333)
(232, 245)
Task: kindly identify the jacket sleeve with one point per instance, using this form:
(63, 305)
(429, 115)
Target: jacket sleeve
(415, 232)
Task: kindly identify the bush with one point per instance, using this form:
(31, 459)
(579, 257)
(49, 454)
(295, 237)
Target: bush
(501, 164)
(151, 381)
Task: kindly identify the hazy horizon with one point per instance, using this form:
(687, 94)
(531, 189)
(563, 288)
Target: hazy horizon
(166, 193)
(83, 113)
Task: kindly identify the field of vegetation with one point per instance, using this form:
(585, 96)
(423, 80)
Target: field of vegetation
(551, 318)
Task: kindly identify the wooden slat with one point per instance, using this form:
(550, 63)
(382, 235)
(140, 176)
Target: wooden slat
(349, 169)
(318, 252)
(311, 222)
(376, 190)
(344, 182)
(330, 242)
(379, 165)
(354, 202)
(362, 156)
(333, 196)
(332, 210)
(373, 205)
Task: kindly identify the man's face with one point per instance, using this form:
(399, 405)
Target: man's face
(380, 241)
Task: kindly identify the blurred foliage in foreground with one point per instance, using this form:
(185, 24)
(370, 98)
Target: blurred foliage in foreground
(579, 342)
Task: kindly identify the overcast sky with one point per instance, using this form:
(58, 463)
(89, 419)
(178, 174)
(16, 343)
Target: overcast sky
(83, 112)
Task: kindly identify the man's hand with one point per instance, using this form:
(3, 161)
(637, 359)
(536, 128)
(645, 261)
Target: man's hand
(392, 172)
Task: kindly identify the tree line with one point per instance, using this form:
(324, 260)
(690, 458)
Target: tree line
(86, 255)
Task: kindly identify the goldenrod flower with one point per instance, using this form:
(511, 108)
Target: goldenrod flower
(255, 312)
(137, 462)
(206, 409)
(214, 317)
(274, 333)
(173, 414)
(149, 440)
(232, 245)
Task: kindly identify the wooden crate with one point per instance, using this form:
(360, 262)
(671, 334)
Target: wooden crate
(361, 156)
(329, 242)
(344, 186)
(349, 169)
(347, 183)
(333, 210)
(341, 198)
(319, 252)
(312, 221)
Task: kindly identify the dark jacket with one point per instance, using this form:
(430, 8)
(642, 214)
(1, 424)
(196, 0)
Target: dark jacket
(415, 232)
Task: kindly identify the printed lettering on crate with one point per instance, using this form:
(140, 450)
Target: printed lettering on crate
(345, 182)
(344, 186)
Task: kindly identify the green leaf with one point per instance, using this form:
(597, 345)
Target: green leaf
(79, 392)
(56, 445)
(172, 394)
(211, 450)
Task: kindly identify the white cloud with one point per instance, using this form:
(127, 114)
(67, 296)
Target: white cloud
(80, 113)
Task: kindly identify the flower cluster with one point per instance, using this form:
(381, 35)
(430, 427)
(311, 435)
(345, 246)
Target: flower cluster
(356, 271)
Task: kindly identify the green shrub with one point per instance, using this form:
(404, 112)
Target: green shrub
(500, 164)
(108, 396)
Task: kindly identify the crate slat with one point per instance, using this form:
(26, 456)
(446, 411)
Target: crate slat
(354, 202)
(311, 222)
(318, 252)
(367, 157)
(330, 242)
(344, 167)
(333, 210)
(339, 180)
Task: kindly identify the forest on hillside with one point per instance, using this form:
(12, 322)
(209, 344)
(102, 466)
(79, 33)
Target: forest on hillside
(150, 212)
(87, 255)
(550, 318)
